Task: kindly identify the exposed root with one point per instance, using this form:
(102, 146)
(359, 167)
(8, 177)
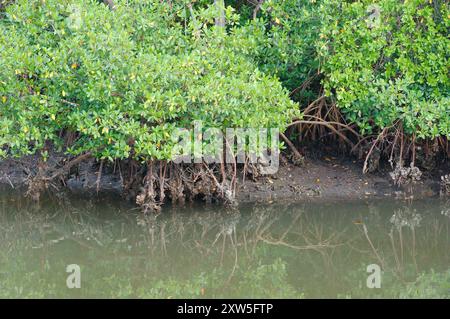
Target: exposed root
(445, 185)
(324, 120)
(296, 158)
(46, 176)
(147, 198)
(427, 153)
(179, 182)
(397, 147)
(374, 164)
(99, 176)
(175, 186)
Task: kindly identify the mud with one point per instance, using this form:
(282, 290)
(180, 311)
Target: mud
(333, 179)
(320, 179)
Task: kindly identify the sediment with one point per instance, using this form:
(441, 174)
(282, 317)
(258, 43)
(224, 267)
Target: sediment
(321, 179)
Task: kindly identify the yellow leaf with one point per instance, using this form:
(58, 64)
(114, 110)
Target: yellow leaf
(277, 21)
(105, 130)
(74, 66)
(53, 117)
(4, 99)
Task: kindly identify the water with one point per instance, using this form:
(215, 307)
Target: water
(297, 250)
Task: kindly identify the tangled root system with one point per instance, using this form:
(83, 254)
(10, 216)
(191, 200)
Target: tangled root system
(160, 181)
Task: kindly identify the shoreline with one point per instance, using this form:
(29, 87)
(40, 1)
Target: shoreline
(321, 179)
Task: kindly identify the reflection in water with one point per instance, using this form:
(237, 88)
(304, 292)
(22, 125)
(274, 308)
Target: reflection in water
(293, 250)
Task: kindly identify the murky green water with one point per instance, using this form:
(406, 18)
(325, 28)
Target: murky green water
(206, 251)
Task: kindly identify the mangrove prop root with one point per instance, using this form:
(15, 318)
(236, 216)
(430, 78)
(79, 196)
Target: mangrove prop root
(179, 182)
(45, 176)
(297, 158)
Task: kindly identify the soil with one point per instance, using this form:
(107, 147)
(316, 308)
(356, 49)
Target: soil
(320, 179)
(332, 179)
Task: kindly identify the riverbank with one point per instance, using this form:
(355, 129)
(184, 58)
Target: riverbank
(333, 179)
(323, 178)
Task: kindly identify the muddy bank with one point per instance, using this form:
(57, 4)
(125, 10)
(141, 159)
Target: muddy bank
(321, 179)
(333, 179)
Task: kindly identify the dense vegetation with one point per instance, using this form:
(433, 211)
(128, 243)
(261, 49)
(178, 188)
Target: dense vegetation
(136, 73)
(123, 81)
(392, 67)
(114, 82)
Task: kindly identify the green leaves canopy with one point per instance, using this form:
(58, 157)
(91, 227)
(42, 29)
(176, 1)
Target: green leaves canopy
(122, 81)
(392, 68)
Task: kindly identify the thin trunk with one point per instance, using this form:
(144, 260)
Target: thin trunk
(257, 8)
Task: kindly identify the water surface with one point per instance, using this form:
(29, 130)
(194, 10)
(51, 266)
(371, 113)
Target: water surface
(297, 250)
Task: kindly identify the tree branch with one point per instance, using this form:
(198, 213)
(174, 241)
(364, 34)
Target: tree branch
(257, 8)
